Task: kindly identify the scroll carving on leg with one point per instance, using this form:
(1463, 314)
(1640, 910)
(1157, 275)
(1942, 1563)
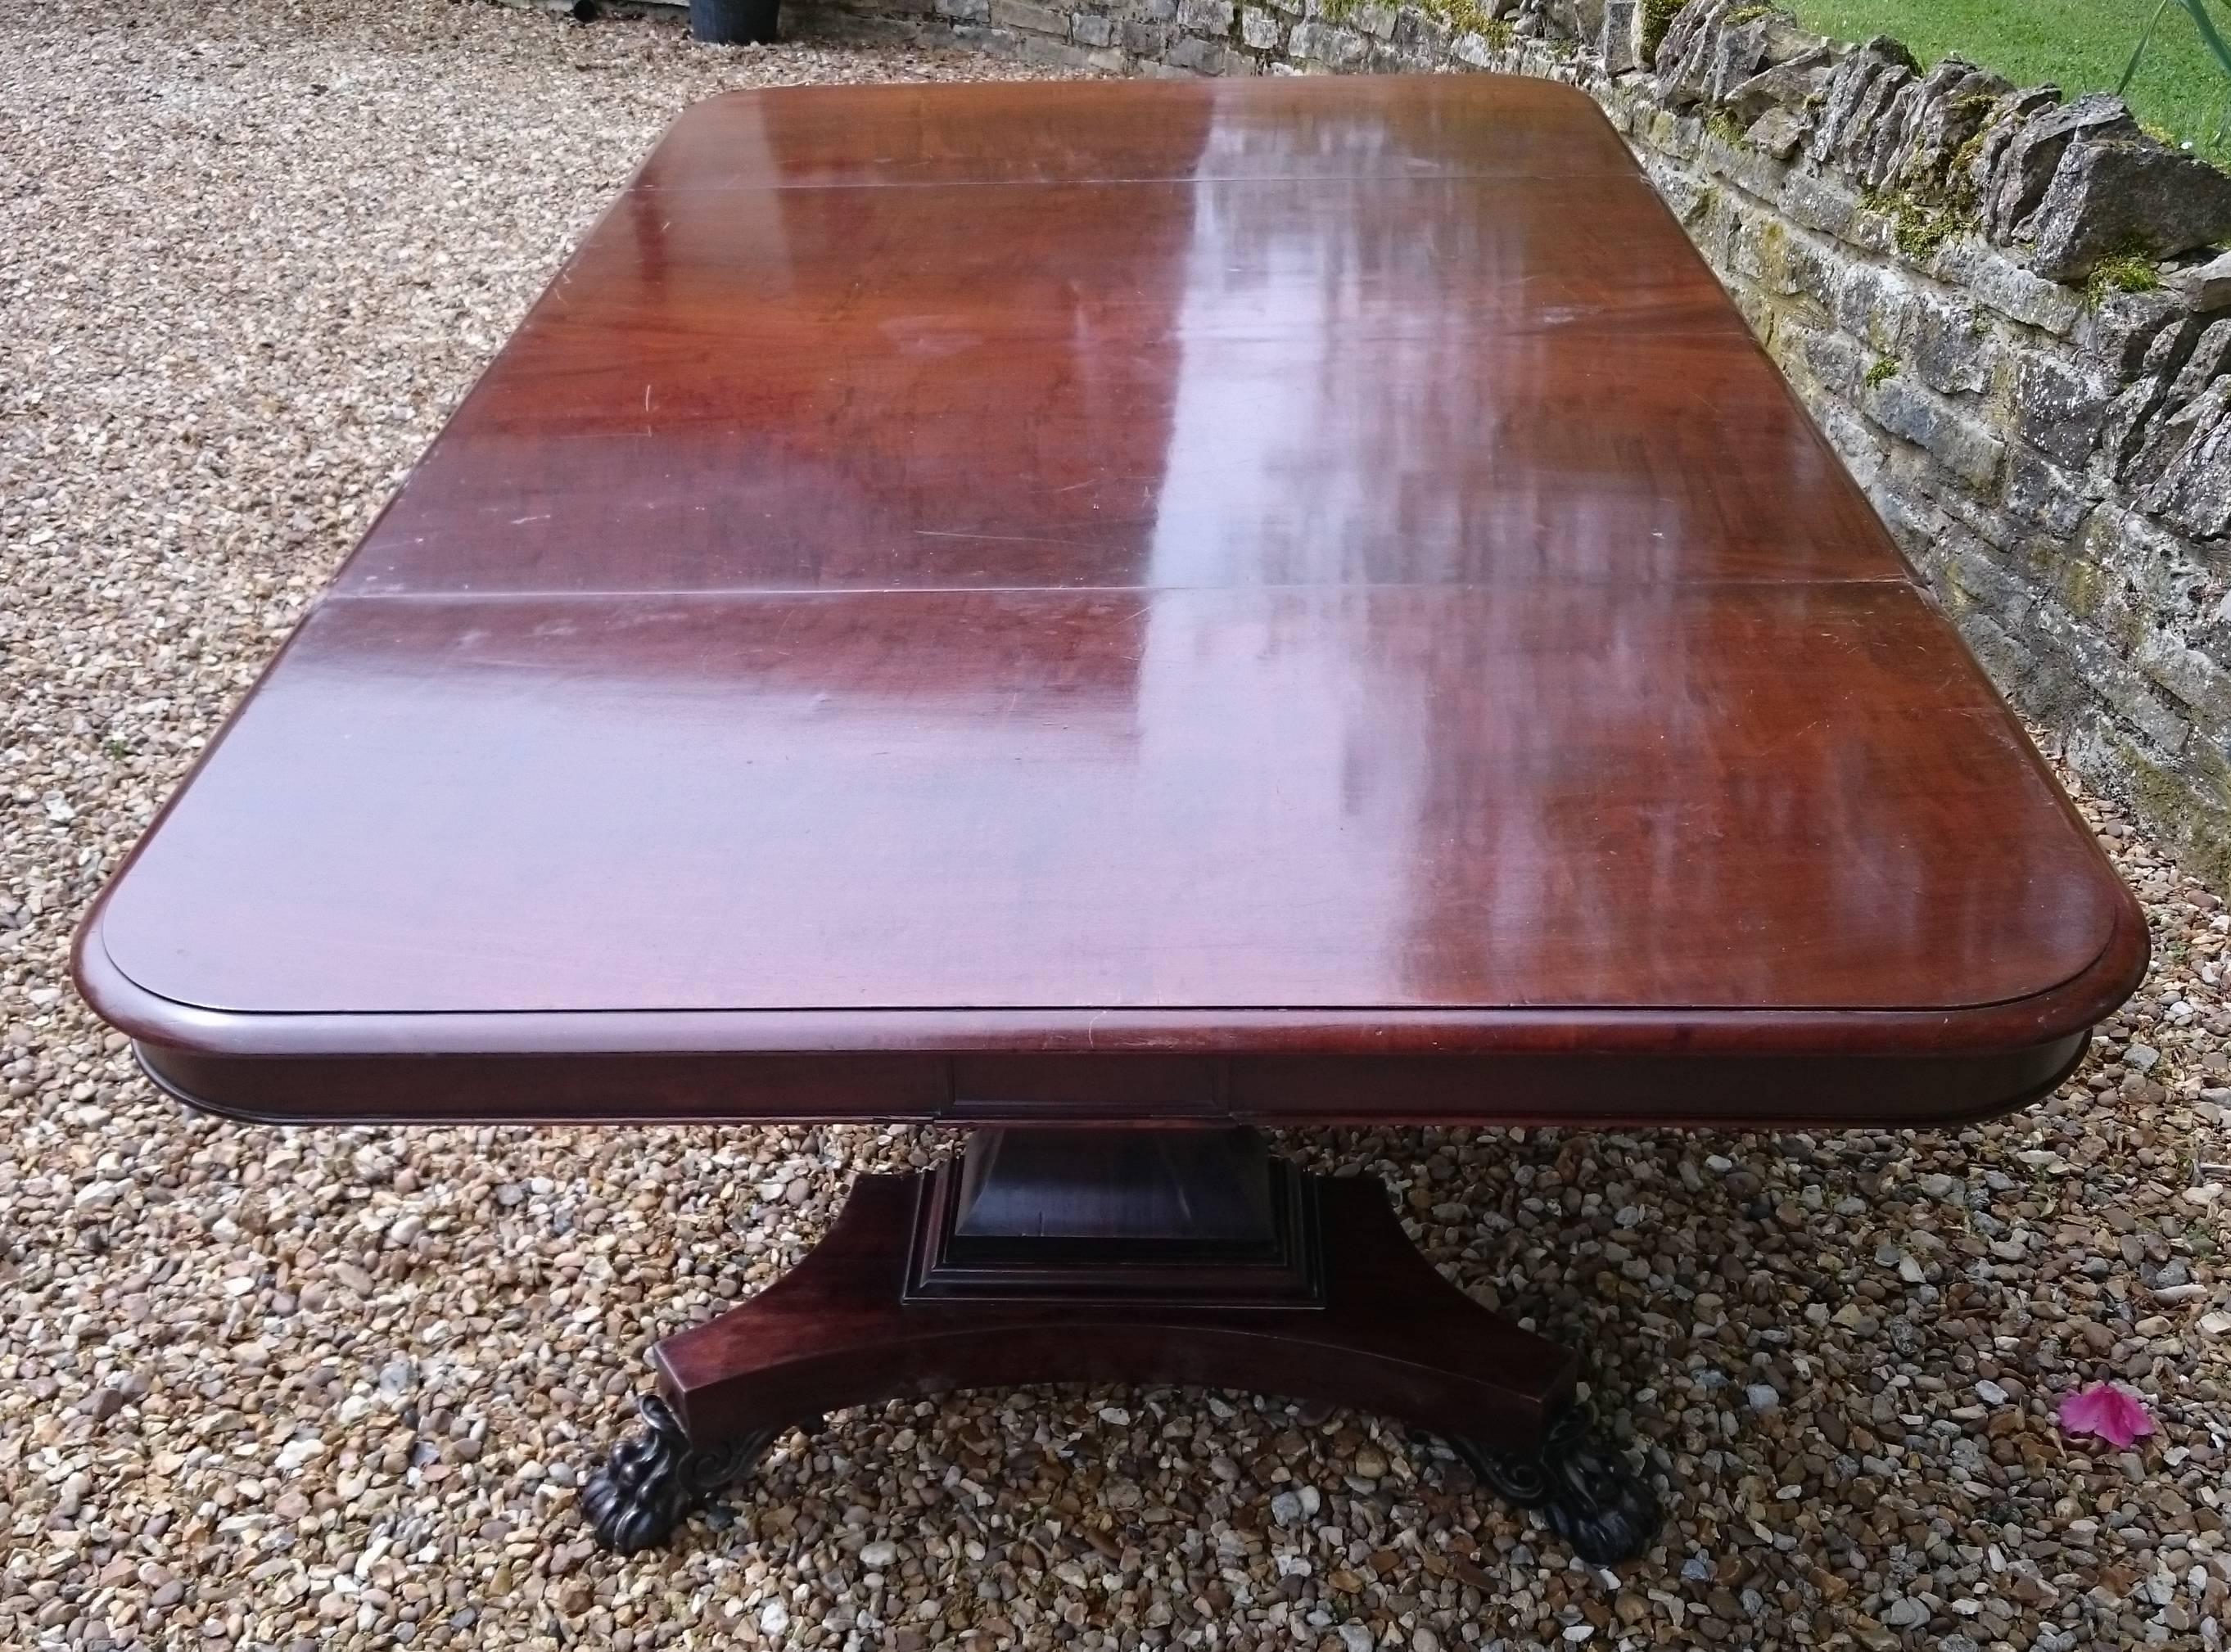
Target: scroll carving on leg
(1153, 1258)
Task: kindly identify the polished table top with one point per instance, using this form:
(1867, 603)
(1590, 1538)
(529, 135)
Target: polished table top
(1294, 599)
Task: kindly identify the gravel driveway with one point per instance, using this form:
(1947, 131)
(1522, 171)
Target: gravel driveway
(280, 1388)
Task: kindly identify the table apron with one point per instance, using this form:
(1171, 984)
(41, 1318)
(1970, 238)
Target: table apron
(1610, 1090)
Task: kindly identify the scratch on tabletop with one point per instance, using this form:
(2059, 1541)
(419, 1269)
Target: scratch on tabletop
(1006, 538)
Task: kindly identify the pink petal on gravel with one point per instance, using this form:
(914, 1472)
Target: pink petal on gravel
(2115, 1415)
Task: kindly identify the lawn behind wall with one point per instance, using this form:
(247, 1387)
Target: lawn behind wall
(2079, 45)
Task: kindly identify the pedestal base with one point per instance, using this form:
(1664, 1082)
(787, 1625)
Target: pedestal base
(1156, 1259)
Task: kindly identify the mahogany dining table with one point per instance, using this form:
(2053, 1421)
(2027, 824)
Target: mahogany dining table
(1114, 614)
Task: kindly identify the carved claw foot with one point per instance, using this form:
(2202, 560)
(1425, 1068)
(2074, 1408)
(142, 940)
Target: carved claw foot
(1584, 1486)
(654, 1478)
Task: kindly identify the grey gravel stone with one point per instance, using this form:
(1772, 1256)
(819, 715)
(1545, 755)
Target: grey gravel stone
(1906, 1612)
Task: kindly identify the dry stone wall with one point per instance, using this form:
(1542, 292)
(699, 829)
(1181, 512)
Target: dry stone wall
(2003, 308)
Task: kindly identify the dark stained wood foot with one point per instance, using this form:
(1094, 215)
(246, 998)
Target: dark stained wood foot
(1584, 1488)
(655, 1478)
(1151, 1258)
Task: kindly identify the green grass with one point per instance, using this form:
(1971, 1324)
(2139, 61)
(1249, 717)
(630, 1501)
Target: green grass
(2079, 45)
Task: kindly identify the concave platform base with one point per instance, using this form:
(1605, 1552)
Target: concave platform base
(1146, 1257)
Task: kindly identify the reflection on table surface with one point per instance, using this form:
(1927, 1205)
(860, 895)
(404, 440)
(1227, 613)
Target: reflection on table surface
(1329, 552)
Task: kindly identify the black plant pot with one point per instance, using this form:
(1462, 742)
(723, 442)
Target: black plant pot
(734, 23)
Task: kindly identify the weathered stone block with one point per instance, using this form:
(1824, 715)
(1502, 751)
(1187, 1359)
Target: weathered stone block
(1550, 20)
(1682, 190)
(2120, 327)
(2152, 561)
(1966, 447)
(2020, 294)
(1029, 19)
(965, 10)
(1811, 269)
(1949, 344)
(1477, 50)
(1712, 224)
(2189, 803)
(2127, 692)
(2209, 360)
(2193, 493)
(2130, 421)
(1794, 88)
(2058, 408)
(2205, 286)
(1322, 43)
(1861, 445)
(1934, 123)
(1987, 581)
(2110, 197)
(2154, 422)
(1378, 21)
(1205, 17)
(1917, 526)
(994, 42)
(1755, 253)
(1145, 39)
(2203, 686)
(1875, 306)
(1201, 56)
(1780, 132)
(1913, 473)
(1859, 90)
(1663, 131)
(1619, 40)
(1059, 54)
(2079, 587)
(1818, 203)
(1711, 49)
(1837, 363)
(2012, 663)
(1754, 307)
(1751, 169)
(1090, 28)
(2017, 186)
(2001, 531)
(2002, 123)
(1261, 30)
(2039, 492)
(1625, 109)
